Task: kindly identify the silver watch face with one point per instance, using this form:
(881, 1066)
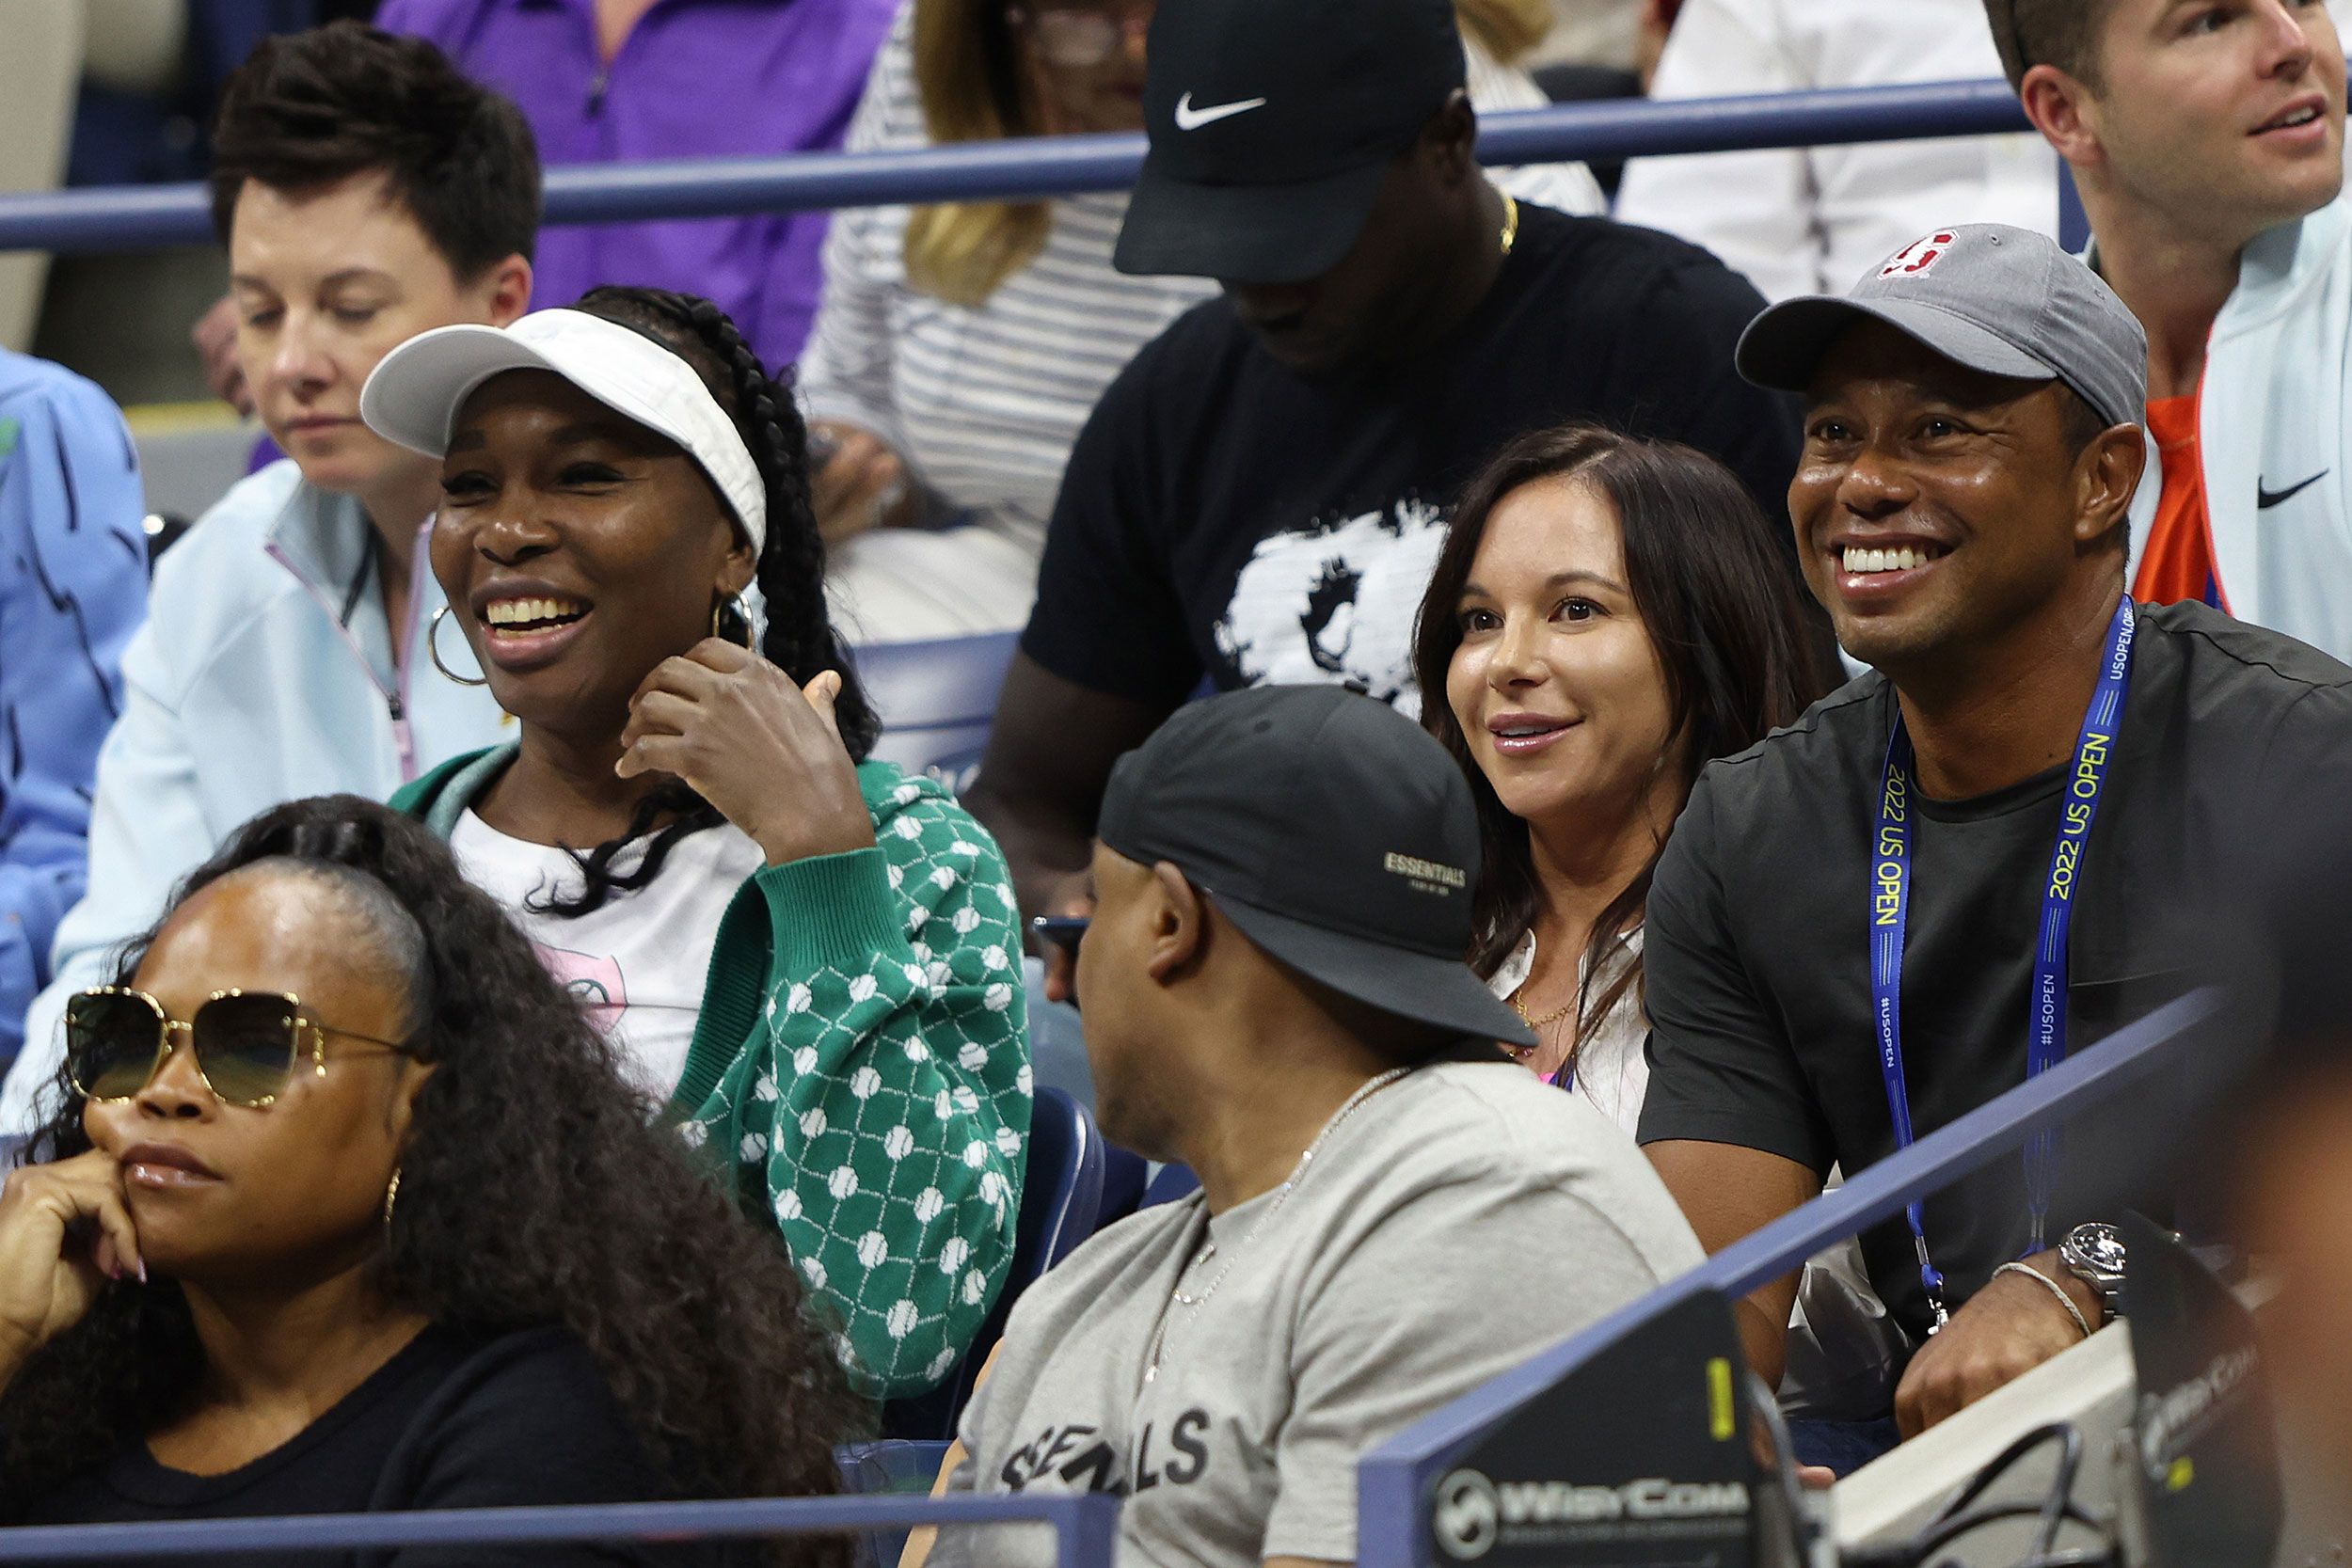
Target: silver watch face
(2096, 1247)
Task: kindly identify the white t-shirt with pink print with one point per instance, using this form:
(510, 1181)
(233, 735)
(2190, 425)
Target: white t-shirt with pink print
(640, 962)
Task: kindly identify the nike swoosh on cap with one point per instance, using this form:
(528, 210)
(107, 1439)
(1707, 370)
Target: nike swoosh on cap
(2265, 498)
(1190, 118)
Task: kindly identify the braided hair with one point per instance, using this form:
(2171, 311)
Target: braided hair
(790, 572)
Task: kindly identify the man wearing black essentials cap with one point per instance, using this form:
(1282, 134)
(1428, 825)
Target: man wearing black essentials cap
(1993, 850)
(1260, 496)
(1390, 1211)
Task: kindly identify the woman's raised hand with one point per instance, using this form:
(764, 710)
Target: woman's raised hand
(64, 1232)
(765, 752)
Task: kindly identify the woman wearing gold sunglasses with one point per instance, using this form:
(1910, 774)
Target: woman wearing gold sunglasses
(352, 1211)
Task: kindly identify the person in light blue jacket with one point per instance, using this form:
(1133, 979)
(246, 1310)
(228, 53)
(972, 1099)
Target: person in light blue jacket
(72, 589)
(366, 192)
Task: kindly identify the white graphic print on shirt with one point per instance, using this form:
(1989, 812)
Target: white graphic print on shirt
(1334, 603)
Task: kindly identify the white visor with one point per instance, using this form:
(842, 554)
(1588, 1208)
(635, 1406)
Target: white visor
(414, 395)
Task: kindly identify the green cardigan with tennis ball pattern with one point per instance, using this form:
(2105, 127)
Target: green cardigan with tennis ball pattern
(861, 1067)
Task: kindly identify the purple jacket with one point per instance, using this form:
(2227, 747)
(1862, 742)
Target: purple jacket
(697, 78)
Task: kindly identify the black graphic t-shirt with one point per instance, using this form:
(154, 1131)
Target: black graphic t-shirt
(1320, 1326)
(1758, 941)
(1223, 516)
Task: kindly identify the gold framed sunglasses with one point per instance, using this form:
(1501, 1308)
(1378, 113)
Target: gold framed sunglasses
(246, 1043)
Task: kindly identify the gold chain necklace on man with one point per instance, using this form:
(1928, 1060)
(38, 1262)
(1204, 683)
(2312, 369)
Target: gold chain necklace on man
(1510, 223)
(1176, 1295)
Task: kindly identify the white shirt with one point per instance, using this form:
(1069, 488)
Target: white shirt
(1812, 220)
(1611, 1067)
(640, 963)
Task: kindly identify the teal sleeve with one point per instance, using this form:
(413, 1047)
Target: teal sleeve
(881, 1105)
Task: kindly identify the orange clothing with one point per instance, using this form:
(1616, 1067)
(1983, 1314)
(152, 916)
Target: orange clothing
(2178, 564)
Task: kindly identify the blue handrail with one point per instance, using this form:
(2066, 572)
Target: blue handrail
(1085, 1527)
(148, 216)
(1393, 1478)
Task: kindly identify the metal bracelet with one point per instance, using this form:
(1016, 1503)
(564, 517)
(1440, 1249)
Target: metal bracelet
(2053, 1286)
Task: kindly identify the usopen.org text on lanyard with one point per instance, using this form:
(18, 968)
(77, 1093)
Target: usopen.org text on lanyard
(1890, 903)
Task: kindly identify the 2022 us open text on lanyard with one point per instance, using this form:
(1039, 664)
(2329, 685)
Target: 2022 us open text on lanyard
(1890, 904)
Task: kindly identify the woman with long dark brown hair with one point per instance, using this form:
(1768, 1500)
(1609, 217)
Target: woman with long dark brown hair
(1608, 615)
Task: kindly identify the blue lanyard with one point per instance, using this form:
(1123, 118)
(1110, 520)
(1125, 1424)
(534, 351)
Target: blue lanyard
(1890, 905)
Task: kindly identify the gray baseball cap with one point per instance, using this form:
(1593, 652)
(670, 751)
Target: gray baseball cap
(2000, 300)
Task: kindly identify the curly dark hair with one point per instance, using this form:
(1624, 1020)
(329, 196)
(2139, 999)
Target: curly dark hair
(790, 573)
(603, 1222)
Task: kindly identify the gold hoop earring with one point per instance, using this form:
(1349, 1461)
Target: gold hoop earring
(718, 620)
(391, 1197)
(433, 651)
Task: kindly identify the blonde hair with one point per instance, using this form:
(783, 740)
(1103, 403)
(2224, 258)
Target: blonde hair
(967, 71)
(1507, 30)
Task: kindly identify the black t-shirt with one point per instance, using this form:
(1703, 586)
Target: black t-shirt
(1222, 515)
(1756, 940)
(451, 1421)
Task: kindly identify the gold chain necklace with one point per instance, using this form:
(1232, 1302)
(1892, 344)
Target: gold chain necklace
(1521, 1053)
(1176, 1295)
(1510, 223)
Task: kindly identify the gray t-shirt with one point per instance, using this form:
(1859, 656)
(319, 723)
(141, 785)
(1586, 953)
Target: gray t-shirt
(1462, 1219)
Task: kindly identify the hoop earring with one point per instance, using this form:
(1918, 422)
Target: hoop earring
(718, 622)
(391, 1198)
(433, 651)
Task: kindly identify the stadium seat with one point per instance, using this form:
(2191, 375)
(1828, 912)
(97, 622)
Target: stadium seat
(936, 701)
(1061, 1201)
(1172, 1182)
(888, 1468)
(1125, 1177)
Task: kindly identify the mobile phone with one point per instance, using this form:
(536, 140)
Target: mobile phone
(1061, 931)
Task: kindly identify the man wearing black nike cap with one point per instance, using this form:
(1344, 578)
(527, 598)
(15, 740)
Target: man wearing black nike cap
(1390, 1212)
(1261, 496)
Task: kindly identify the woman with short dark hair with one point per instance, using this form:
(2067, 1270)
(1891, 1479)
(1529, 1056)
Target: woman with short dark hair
(1608, 615)
(350, 1209)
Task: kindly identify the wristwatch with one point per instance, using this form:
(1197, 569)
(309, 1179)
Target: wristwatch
(2094, 1254)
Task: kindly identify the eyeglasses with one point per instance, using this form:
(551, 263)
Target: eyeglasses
(1085, 36)
(246, 1043)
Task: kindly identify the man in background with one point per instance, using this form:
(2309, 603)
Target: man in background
(2208, 146)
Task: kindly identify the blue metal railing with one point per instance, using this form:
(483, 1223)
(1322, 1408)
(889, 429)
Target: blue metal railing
(1395, 1478)
(1084, 1528)
(145, 217)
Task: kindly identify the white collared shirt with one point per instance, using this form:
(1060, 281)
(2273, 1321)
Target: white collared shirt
(1611, 1067)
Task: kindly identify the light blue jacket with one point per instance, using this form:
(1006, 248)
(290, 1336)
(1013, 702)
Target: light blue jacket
(265, 675)
(72, 589)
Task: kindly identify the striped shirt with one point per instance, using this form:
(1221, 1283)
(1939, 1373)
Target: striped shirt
(985, 404)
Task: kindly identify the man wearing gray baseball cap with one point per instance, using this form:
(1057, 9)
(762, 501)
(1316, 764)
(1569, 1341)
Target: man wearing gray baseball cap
(1990, 850)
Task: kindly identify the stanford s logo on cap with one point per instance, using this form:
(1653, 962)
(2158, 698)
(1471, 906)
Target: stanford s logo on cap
(1190, 118)
(1919, 257)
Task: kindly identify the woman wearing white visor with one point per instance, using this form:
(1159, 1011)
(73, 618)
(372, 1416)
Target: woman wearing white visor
(810, 957)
